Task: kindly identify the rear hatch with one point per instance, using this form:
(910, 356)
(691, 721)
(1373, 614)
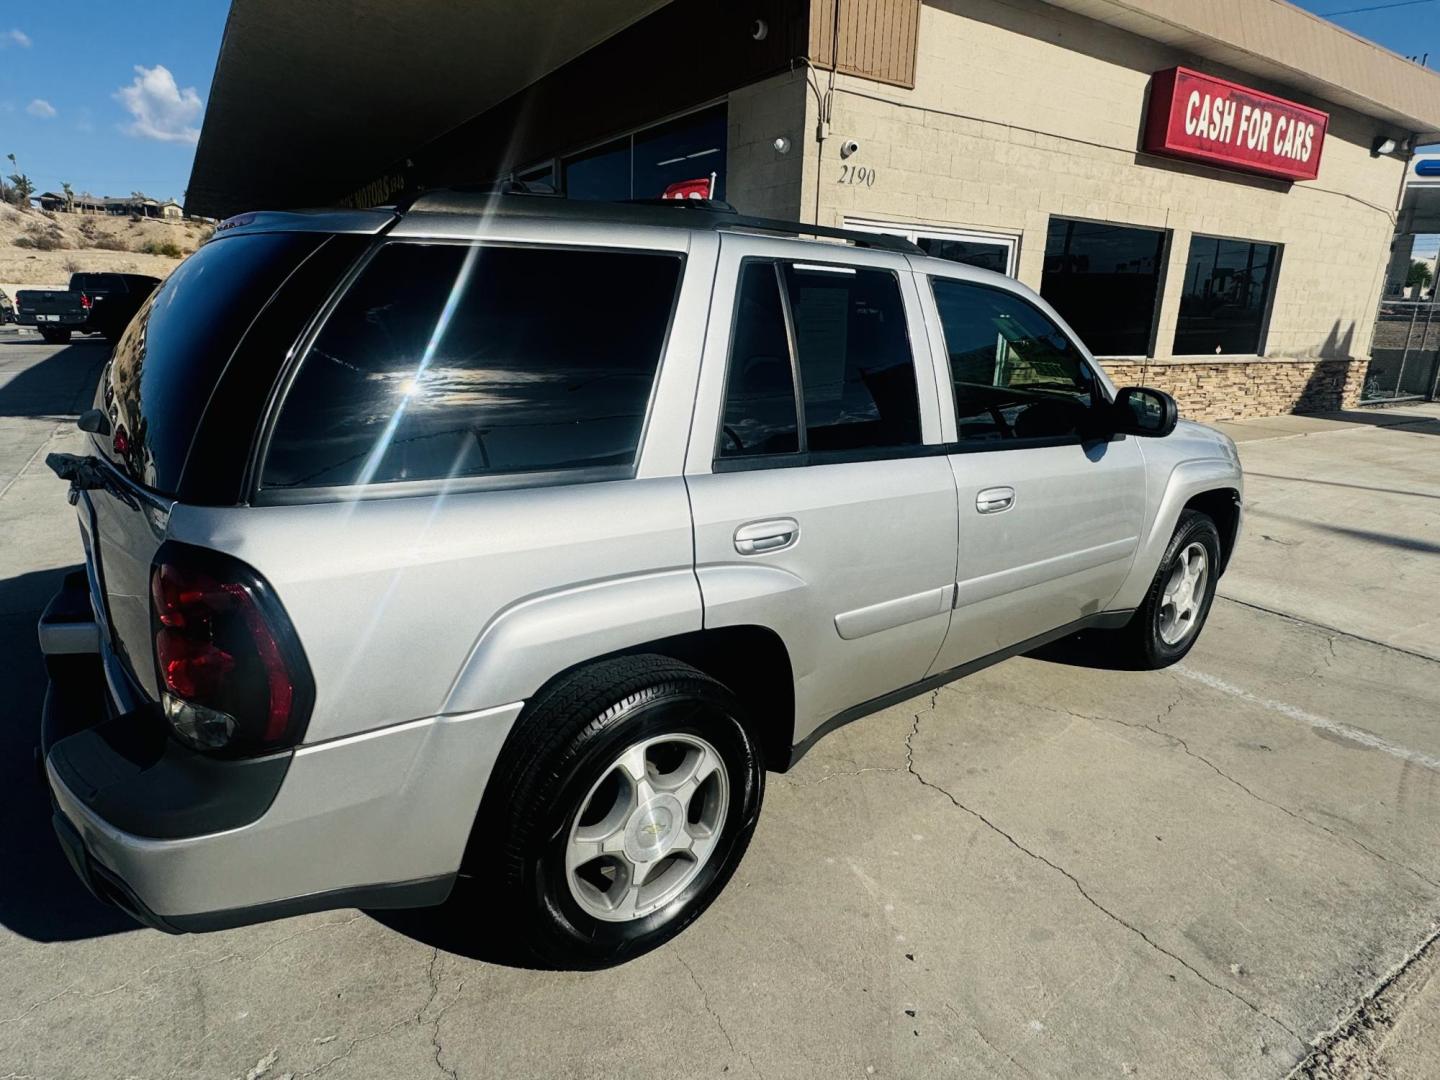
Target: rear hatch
(166, 373)
(49, 306)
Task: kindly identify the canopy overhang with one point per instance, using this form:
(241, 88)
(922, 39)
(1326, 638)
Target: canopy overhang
(311, 100)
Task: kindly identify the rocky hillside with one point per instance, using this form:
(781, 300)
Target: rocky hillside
(39, 248)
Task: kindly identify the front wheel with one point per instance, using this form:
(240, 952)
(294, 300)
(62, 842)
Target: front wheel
(1166, 624)
(621, 805)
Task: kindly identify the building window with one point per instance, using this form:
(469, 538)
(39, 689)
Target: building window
(1105, 281)
(987, 250)
(678, 157)
(1225, 296)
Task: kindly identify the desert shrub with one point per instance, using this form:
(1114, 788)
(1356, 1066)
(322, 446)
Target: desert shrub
(168, 248)
(89, 229)
(41, 240)
(110, 243)
(73, 266)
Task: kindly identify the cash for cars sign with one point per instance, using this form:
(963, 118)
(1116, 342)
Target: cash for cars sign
(1202, 118)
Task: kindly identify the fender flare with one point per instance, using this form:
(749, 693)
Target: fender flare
(1186, 480)
(530, 641)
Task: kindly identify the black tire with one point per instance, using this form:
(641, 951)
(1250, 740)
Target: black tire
(54, 337)
(562, 745)
(1143, 646)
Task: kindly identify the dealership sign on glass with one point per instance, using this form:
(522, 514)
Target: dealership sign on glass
(1201, 118)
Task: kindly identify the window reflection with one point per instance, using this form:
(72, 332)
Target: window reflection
(679, 157)
(1224, 296)
(1104, 280)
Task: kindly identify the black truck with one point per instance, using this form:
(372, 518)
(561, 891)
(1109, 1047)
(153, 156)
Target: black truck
(94, 304)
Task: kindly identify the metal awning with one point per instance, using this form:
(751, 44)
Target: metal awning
(311, 99)
(1420, 203)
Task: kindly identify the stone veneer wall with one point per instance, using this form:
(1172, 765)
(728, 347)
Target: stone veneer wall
(1232, 389)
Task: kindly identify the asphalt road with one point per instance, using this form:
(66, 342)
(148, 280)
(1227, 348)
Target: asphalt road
(1047, 870)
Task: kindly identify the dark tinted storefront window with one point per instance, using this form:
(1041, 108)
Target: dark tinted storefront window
(994, 257)
(1224, 296)
(690, 148)
(645, 164)
(602, 173)
(445, 360)
(1105, 280)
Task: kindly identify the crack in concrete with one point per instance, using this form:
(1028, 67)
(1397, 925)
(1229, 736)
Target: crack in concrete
(417, 1017)
(1367, 1018)
(1176, 740)
(985, 1038)
(1329, 630)
(910, 767)
(136, 978)
(705, 1000)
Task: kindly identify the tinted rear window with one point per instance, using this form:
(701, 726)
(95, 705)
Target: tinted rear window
(97, 283)
(448, 361)
(169, 359)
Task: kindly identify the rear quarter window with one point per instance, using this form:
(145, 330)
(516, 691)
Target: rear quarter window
(447, 361)
(168, 362)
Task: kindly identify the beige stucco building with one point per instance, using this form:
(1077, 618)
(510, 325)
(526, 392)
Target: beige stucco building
(1010, 133)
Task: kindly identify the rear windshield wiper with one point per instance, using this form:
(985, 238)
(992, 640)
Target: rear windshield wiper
(88, 473)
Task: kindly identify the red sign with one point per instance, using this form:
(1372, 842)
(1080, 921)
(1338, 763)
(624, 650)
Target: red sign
(1202, 118)
(702, 187)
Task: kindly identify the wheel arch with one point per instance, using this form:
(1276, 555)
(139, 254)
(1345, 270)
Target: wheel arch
(1211, 485)
(751, 661)
(1222, 506)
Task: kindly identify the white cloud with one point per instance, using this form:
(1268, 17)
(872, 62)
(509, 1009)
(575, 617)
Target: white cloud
(41, 108)
(15, 37)
(161, 109)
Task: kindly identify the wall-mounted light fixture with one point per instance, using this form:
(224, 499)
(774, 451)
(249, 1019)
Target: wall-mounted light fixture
(1383, 145)
(781, 144)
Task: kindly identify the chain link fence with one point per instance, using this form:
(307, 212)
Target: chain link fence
(1405, 352)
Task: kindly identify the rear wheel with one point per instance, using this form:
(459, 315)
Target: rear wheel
(621, 805)
(1166, 624)
(54, 337)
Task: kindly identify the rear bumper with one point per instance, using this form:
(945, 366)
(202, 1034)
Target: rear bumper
(62, 322)
(379, 819)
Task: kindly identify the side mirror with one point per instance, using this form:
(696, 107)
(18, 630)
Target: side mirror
(94, 421)
(1139, 410)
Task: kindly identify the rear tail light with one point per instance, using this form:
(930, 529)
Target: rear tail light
(85, 301)
(232, 677)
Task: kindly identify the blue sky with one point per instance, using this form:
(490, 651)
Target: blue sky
(70, 104)
(110, 96)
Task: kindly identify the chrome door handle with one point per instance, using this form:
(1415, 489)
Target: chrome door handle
(758, 537)
(993, 500)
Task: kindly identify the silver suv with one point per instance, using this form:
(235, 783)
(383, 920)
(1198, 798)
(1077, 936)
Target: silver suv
(495, 547)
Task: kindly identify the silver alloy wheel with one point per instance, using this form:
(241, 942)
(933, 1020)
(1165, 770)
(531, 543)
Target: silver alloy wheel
(1179, 613)
(647, 827)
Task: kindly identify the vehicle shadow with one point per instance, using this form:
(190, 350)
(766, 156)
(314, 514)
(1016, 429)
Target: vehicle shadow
(40, 898)
(60, 386)
(470, 925)
(1088, 648)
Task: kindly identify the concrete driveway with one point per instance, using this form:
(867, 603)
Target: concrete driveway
(1047, 870)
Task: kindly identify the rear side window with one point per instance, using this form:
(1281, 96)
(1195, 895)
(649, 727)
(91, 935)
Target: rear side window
(843, 330)
(171, 357)
(447, 361)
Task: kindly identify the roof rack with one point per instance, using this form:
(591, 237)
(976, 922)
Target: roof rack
(711, 214)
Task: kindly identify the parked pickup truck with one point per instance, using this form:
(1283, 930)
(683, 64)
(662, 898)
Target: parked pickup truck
(94, 304)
